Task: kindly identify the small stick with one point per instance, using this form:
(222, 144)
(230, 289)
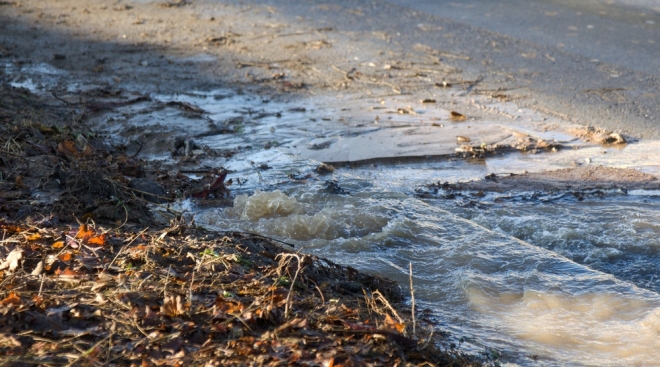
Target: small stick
(167, 280)
(288, 296)
(266, 238)
(192, 281)
(285, 259)
(43, 277)
(321, 293)
(126, 245)
(412, 296)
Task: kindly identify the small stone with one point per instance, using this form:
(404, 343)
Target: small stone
(325, 168)
(148, 190)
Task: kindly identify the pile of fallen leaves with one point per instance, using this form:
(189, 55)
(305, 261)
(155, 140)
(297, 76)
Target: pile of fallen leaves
(88, 296)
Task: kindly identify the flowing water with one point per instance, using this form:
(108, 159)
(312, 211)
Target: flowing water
(542, 282)
(569, 282)
(553, 282)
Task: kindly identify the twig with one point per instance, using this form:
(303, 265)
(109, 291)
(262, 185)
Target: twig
(139, 149)
(266, 238)
(41, 286)
(285, 259)
(412, 296)
(86, 353)
(61, 100)
(140, 329)
(128, 244)
(192, 281)
(167, 280)
(384, 301)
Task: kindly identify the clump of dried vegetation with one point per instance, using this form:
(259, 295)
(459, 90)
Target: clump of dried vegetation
(84, 282)
(87, 296)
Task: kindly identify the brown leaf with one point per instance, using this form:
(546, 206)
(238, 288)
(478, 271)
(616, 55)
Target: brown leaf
(88, 151)
(12, 228)
(68, 273)
(85, 232)
(12, 299)
(457, 116)
(173, 345)
(89, 237)
(68, 147)
(58, 244)
(97, 240)
(217, 187)
(33, 237)
(391, 324)
(172, 306)
(67, 256)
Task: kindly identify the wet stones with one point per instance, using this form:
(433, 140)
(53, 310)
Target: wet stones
(325, 168)
(612, 138)
(333, 187)
(600, 136)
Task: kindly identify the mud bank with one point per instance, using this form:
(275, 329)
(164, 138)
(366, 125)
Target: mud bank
(563, 180)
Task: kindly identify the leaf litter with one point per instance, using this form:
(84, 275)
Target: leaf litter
(182, 295)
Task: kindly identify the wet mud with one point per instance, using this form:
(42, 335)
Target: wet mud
(579, 179)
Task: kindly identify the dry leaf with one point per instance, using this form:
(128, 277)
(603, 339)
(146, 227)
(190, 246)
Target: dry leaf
(391, 324)
(11, 228)
(13, 260)
(89, 237)
(97, 240)
(68, 273)
(67, 256)
(457, 116)
(34, 237)
(68, 147)
(85, 232)
(38, 269)
(172, 306)
(12, 299)
(58, 244)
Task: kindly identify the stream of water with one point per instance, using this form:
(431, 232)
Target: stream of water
(554, 282)
(570, 282)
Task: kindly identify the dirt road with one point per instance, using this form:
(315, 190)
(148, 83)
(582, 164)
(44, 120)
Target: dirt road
(372, 48)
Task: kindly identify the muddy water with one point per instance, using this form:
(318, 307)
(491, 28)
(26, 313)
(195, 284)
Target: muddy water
(570, 291)
(560, 282)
